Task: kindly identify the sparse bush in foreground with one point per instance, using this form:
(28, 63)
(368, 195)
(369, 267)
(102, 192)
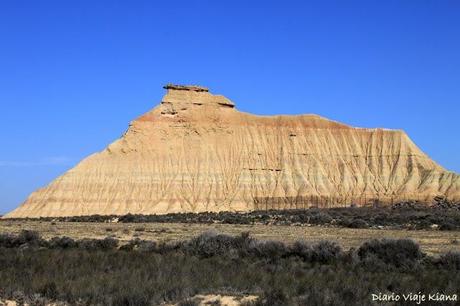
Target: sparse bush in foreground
(147, 246)
(273, 297)
(147, 273)
(25, 237)
(322, 252)
(268, 249)
(326, 252)
(449, 261)
(209, 244)
(401, 253)
(62, 243)
(98, 244)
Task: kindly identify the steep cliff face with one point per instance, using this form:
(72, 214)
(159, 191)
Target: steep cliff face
(195, 152)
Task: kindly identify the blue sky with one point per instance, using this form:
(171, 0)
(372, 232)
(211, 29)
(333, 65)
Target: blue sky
(74, 73)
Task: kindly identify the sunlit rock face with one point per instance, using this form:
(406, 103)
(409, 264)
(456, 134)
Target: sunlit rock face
(196, 152)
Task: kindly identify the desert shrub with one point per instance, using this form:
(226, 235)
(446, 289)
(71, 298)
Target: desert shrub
(226, 218)
(25, 237)
(380, 219)
(320, 218)
(8, 240)
(401, 253)
(344, 221)
(130, 299)
(273, 297)
(447, 226)
(98, 244)
(62, 243)
(128, 246)
(299, 218)
(302, 250)
(171, 246)
(449, 261)
(325, 252)
(268, 249)
(409, 214)
(150, 246)
(170, 274)
(88, 244)
(423, 224)
(49, 290)
(129, 218)
(242, 243)
(147, 246)
(358, 223)
(209, 244)
(28, 236)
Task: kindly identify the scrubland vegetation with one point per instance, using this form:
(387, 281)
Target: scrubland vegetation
(140, 272)
(400, 216)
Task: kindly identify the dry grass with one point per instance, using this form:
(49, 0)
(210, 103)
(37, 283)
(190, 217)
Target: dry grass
(431, 241)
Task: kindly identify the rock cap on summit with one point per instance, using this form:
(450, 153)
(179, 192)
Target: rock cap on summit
(179, 96)
(186, 87)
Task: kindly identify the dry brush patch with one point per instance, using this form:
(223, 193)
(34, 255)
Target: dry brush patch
(431, 241)
(150, 273)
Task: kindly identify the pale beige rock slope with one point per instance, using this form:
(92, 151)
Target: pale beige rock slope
(195, 152)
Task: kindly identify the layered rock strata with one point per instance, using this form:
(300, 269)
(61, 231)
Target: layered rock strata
(195, 152)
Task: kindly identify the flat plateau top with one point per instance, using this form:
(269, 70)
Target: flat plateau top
(186, 87)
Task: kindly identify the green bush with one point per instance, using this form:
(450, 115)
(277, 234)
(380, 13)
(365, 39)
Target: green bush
(401, 253)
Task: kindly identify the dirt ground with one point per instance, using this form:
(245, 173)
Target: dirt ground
(431, 241)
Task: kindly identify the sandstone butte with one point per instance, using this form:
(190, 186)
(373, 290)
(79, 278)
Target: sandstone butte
(195, 152)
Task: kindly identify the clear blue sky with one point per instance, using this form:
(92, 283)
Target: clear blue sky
(74, 73)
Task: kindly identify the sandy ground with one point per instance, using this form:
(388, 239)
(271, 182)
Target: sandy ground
(222, 300)
(14, 303)
(431, 241)
(200, 299)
